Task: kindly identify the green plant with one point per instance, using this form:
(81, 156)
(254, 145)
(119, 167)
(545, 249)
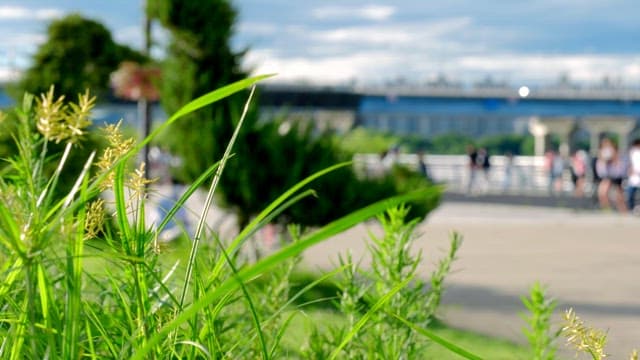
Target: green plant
(199, 57)
(81, 279)
(538, 331)
(380, 303)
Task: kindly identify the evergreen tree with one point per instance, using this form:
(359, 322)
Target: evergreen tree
(78, 54)
(199, 59)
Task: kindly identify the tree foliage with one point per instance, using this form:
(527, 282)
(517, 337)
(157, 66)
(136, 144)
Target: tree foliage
(283, 153)
(78, 54)
(199, 59)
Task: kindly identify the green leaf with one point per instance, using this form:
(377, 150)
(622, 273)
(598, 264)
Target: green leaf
(438, 340)
(365, 318)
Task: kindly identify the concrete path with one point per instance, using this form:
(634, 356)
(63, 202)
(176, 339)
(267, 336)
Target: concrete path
(588, 260)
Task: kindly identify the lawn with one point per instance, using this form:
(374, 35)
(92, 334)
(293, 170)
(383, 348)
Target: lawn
(484, 346)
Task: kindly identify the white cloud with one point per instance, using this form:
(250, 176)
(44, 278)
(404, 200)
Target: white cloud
(8, 75)
(369, 12)
(377, 12)
(377, 65)
(22, 40)
(366, 35)
(582, 68)
(257, 28)
(440, 33)
(327, 70)
(8, 12)
(130, 35)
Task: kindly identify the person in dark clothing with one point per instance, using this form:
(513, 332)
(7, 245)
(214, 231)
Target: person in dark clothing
(473, 167)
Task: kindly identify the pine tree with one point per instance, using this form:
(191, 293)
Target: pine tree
(199, 59)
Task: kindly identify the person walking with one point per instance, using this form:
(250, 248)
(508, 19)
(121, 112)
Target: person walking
(612, 171)
(554, 165)
(633, 183)
(579, 162)
(508, 171)
(472, 153)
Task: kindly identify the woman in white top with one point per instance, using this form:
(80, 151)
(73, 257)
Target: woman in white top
(611, 168)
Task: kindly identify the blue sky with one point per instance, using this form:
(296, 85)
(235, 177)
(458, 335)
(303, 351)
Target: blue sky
(338, 42)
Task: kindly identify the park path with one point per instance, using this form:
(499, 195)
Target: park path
(588, 260)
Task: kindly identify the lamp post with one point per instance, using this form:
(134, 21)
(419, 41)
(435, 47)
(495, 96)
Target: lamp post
(143, 103)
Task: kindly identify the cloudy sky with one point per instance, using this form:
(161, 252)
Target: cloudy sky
(337, 42)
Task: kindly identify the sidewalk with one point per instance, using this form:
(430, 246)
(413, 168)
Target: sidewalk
(588, 260)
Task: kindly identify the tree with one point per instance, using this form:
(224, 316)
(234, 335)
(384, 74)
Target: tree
(78, 54)
(199, 59)
(267, 161)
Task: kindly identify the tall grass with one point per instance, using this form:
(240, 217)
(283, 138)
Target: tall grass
(61, 297)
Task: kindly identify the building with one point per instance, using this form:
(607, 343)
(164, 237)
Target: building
(569, 113)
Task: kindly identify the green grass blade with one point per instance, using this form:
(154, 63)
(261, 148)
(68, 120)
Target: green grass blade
(121, 207)
(43, 290)
(437, 339)
(254, 225)
(11, 230)
(98, 323)
(280, 334)
(125, 303)
(201, 102)
(295, 297)
(49, 188)
(19, 333)
(10, 273)
(73, 274)
(334, 228)
(64, 202)
(209, 200)
(289, 251)
(254, 313)
(89, 334)
(190, 190)
(365, 318)
(197, 346)
(268, 219)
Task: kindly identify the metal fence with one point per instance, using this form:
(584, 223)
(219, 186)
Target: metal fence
(527, 174)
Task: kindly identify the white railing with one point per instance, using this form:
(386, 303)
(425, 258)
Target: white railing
(527, 175)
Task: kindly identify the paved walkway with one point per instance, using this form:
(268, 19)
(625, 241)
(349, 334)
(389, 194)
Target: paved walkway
(588, 260)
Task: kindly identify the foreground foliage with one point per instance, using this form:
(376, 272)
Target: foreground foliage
(119, 298)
